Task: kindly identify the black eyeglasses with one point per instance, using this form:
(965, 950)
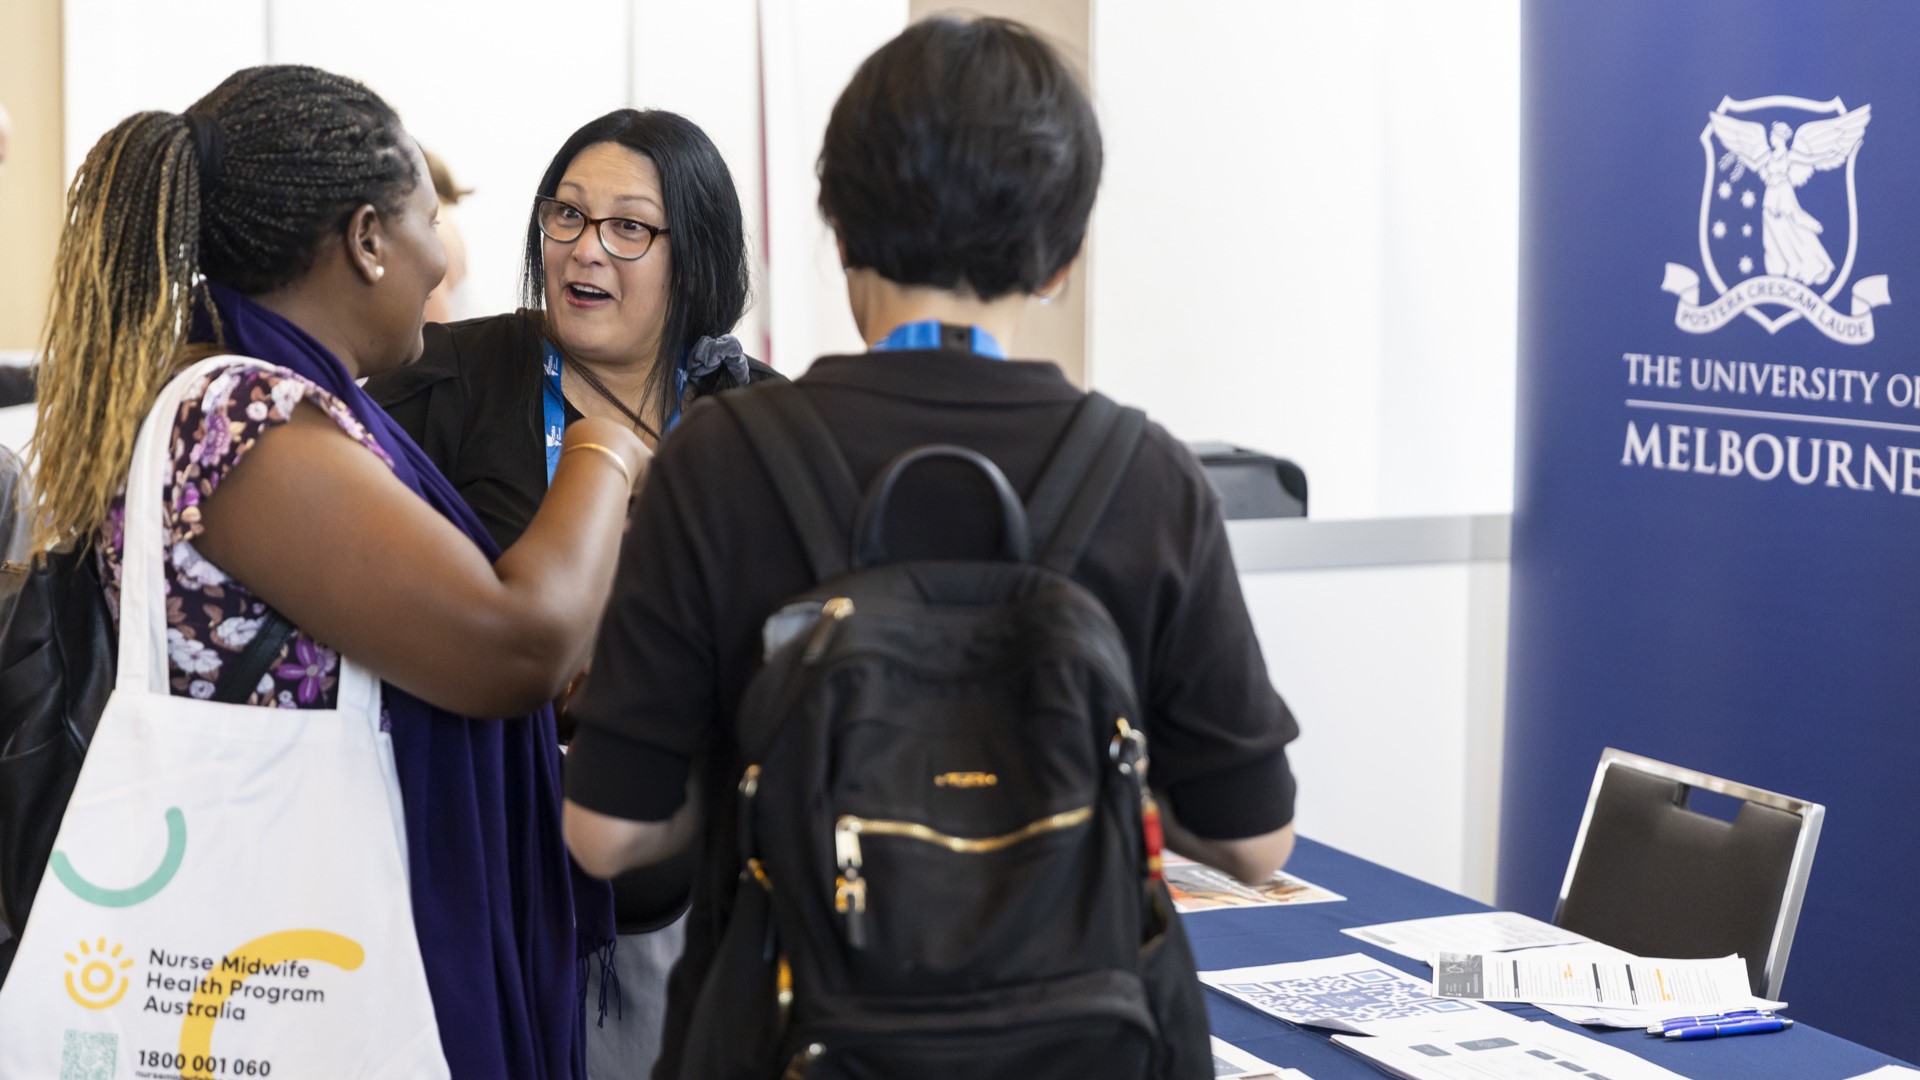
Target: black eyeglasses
(623, 238)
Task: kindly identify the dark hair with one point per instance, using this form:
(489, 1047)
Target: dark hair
(298, 151)
(242, 188)
(707, 287)
(964, 153)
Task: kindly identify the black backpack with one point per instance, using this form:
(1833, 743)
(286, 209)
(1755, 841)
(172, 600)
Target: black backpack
(949, 857)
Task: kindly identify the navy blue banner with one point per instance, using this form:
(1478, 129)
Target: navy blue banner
(1716, 549)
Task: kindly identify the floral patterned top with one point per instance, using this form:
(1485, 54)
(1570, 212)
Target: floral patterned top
(210, 617)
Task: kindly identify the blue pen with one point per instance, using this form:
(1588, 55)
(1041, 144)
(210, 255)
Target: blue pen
(1738, 1027)
(1665, 1026)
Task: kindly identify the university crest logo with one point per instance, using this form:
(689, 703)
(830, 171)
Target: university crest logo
(1779, 184)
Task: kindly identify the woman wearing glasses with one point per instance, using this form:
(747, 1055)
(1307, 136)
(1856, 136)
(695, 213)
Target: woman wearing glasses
(636, 269)
(635, 272)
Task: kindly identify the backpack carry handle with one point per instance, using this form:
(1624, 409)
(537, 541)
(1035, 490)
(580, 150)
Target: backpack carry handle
(869, 545)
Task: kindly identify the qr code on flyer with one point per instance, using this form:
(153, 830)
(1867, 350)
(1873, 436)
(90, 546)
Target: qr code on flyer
(89, 1055)
(1360, 996)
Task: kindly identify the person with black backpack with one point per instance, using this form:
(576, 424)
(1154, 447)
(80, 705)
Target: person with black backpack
(933, 649)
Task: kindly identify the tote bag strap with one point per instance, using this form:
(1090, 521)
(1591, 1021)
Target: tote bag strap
(142, 664)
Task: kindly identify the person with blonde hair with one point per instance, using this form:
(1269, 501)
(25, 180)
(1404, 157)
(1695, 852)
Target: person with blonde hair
(444, 305)
(287, 217)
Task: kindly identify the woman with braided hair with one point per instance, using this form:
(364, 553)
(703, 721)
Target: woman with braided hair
(287, 217)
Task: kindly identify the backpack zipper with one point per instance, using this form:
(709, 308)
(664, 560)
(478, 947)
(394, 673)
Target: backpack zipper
(850, 889)
(802, 1061)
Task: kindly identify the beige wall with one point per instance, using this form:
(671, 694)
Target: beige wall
(1057, 331)
(33, 181)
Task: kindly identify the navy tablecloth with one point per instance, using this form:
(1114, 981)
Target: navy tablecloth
(1272, 935)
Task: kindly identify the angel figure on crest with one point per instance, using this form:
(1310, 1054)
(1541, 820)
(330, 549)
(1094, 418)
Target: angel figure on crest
(1784, 159)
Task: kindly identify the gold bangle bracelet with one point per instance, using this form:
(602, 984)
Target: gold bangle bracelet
(618, 462)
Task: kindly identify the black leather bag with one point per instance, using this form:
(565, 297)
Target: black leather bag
(56, 672)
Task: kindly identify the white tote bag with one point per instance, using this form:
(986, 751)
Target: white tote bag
(228, 894)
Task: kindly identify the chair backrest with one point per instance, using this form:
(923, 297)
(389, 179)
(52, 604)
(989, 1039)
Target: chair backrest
(1654, 877)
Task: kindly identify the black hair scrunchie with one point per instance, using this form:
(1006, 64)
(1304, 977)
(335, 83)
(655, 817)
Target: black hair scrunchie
(209, 146)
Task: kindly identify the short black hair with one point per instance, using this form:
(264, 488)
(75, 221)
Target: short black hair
(964, 153)
(297, 151)
(707, 287)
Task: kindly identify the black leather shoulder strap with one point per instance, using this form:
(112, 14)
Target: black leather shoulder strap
(1081, 477)
(239, 679)
(806, 465)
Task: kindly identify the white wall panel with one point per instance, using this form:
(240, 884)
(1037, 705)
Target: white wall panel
(476, 83)
(1387, 669)
(1307, 238)
(701, 60)
(128, 56)
(811, 51)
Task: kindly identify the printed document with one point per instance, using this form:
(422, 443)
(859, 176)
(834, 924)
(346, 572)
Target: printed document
(1629, 1018)
(1479, 932)
(1510, 1050)
(1640, 1019)
(1343, 993)
(1608, 979)
(1202, 888)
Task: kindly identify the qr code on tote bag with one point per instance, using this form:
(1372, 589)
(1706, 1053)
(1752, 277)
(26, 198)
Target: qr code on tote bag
(89, 1055)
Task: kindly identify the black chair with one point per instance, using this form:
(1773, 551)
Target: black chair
(16, 385)
(1654, 877)
(1252, 484)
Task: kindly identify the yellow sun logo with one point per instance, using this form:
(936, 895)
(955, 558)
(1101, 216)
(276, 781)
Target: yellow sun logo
(96, 968)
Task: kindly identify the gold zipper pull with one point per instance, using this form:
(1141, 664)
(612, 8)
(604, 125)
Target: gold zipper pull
(850, 900)
(831, 614)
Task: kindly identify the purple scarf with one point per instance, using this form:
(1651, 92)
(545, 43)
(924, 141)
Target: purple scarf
(505, 920)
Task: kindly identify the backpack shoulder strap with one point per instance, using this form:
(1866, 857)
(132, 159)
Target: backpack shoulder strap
(808, 470)
(1081, 477)
(240, 678)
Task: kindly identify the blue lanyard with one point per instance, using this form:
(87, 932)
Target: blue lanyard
(553, 405)
(933, 334)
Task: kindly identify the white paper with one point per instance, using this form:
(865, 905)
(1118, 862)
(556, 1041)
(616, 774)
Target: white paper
(1629, 1018)
(1343, 993)
(1232, 1063)
(1640, 1019)
(1502, 1051)
(1888, 1072)
(1198, 888)
(1594, 978)
(1479, 932)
